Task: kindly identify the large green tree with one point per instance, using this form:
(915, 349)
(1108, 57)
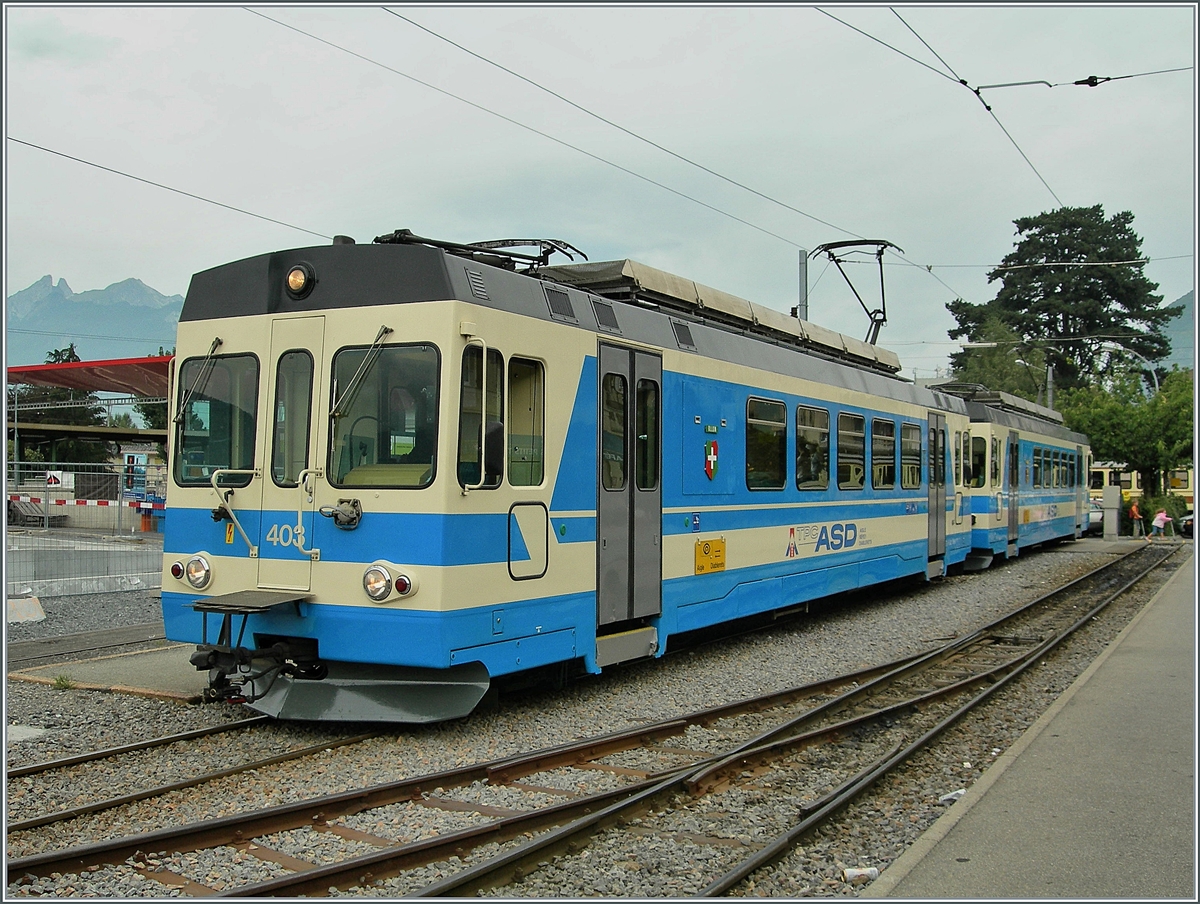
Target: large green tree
(1073, 283)
(1152, 435)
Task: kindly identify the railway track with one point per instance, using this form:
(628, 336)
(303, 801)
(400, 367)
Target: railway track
(27, 653)
(820, 744)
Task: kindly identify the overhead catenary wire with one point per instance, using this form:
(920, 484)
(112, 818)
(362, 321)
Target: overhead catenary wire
(654, 144)
(621, 128)
(178, 191)
(991, 112)
(527, 128)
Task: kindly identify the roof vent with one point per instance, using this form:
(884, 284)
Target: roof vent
(683, 335)
(606, 317)
(478, 289)
(560, 304)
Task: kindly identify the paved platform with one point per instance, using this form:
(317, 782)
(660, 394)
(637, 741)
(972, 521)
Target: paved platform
(164, 672)
(1097, 798)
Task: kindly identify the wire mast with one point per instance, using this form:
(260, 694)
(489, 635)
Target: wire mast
(878, 316)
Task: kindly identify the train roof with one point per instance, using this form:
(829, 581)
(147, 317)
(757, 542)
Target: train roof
(634, 282)
(994, 407)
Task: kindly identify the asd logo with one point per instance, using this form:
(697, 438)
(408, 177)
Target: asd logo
(837, 536)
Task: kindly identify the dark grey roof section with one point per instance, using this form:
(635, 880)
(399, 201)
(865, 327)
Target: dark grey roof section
(1028, 423)
(350, 276)
(347, 276)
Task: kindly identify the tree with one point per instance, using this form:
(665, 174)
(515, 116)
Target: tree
(1007, 367)
(1151, 435)
(1072, 283)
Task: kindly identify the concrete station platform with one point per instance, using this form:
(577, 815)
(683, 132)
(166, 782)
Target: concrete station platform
(164, 672)
(1097, 799)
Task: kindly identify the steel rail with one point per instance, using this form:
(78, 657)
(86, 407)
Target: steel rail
(36, 768)
(232, 829)
(837, 801)
(158, 791)
(511, 866)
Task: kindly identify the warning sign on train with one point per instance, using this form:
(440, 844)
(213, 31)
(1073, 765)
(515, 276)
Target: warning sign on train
(710, 555)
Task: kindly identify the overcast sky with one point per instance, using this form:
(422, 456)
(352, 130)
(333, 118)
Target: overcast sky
(224, 104)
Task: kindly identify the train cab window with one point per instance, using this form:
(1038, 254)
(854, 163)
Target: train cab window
(766, 444)
(978, 466)
(477, 434)
(385, 428)
(812, 448)
(1096, 480)
(293, 417)
(910, 456)
(995, 460)
(612, 432)
(526, 422)
(218, 401)
(645, 464)
(851, 452)
(883, 454)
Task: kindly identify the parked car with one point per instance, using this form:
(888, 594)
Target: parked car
(1095, 524)
(1185, 526)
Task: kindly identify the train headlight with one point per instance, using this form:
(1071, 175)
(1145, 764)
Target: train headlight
(300, 280)
(197, 572)
(377, 582)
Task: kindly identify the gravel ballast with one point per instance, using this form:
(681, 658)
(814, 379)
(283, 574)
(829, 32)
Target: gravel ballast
(857, 632)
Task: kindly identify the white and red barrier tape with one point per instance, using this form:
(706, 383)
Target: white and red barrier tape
(146, 506)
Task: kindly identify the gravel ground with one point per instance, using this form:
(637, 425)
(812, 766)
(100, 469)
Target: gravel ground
(860, 631)
(89, 612)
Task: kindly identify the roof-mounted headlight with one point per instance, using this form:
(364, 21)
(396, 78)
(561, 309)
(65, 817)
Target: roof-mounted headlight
(300, 280)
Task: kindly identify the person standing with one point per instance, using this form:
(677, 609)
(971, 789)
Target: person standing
(1135, 520)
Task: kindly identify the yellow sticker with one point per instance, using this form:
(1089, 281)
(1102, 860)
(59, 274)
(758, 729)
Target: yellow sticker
(710, 555)
(229, 532)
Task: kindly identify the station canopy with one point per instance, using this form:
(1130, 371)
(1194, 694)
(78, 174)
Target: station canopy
(146, 377)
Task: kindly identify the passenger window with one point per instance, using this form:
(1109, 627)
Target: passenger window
(1037, 467)
(386, 427)
(218, 398)
(766, 444)
(910, 456)
(978, 461)
(645, 465)
(481, 438)
(812, 448)
(612, 432)
(526, 422)
(293, 417)
(1179, 480)
(851, 454)
(883, 454)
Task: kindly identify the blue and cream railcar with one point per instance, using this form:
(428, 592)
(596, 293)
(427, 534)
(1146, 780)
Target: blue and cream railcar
(1025, 472)
(403, 469)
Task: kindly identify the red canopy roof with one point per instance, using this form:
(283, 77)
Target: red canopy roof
(138, 376)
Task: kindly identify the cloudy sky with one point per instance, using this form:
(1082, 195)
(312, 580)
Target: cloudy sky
(839, 133)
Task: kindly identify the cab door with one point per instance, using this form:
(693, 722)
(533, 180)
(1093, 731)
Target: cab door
(1014, 485)
(285, 555)
(629, 508)
(937, 491)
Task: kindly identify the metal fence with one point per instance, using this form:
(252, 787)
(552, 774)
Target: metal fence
(83, 528)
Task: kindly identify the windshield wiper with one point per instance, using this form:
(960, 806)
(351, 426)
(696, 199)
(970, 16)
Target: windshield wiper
(205, 368)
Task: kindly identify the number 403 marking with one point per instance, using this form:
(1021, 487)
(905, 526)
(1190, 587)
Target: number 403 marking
(286, 535)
